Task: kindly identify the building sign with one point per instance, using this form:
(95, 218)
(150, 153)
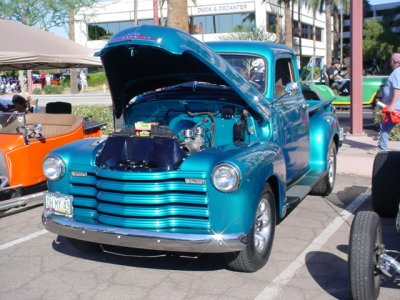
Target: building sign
(222, 9)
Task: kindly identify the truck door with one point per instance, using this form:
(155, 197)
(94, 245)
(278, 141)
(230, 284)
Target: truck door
(293, 121)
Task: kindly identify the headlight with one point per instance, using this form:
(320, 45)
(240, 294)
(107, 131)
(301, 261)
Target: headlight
(226, 177)
(53, 167)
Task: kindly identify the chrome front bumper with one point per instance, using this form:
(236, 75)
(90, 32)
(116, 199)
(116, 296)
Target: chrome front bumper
(31, 199)
(177, 242)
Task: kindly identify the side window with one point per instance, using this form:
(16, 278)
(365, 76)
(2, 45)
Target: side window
(283, 75)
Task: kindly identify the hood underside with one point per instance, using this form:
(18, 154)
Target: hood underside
(148, 58)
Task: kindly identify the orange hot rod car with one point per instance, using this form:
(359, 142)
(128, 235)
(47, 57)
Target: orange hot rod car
(25, 139)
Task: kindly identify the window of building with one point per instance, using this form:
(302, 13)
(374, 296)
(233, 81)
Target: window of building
(307, 31)
(271, 22)
(218, 23)
(296, 29)
(105, 30)
(318, 34)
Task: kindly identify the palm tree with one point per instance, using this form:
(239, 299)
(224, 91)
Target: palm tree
(315, 5)
(341, 7)
(328, 26)
(178, 16)
(288, 22)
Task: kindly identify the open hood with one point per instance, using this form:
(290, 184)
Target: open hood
(146, 58)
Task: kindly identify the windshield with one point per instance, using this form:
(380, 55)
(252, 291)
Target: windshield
(251, 67)
(10, 121)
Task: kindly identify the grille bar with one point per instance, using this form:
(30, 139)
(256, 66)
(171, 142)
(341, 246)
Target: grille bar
(154, 224)
(153, 186)
(153, 212)
(154, 199)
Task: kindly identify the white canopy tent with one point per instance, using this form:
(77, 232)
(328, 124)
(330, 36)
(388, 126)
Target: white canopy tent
(28, 48)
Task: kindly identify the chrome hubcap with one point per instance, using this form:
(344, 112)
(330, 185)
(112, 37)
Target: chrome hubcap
(262, 230)
(331, 167)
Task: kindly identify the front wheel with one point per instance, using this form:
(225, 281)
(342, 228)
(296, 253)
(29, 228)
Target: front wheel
(259, 239)
(365, 248)
(385, 194)
(325, 186)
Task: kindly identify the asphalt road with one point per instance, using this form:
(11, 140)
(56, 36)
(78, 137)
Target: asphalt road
(368, 119)
(308, 260)
(77, 99)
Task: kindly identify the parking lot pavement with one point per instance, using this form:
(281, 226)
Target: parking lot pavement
(353, 156)
(308, 260)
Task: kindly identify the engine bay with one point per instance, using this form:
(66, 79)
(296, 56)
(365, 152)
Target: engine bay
(159, 135)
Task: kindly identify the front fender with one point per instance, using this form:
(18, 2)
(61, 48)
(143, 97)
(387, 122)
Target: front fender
(80, 153)
(259, 162)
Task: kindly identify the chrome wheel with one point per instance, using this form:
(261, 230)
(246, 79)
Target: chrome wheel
(263, 226)
(260, 237)
(331, 166)
(325, 186)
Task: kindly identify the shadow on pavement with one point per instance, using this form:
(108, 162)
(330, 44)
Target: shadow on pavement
(343, 198)
(144, 258)
(330, 272)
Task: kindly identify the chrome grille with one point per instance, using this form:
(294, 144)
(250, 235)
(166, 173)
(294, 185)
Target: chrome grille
(162, 202)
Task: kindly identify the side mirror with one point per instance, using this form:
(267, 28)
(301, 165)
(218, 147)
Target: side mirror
(291, 88)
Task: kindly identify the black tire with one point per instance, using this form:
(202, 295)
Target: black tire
(259, 239)
(84, 246)
(365, 246)
(385, 193)
(325, 186)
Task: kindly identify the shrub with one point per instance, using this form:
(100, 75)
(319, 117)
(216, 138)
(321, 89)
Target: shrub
(53, 89)
(96, 79)
(37, 91)
(305, 73)
(65, 82)
(96, 112)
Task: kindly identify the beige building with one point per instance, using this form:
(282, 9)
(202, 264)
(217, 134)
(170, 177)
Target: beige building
(209, 20)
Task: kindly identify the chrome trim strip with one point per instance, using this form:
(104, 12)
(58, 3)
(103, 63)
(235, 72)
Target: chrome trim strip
(177, 242)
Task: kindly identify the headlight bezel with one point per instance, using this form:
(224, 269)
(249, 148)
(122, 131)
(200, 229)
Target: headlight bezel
(226, 168)
(57, 163)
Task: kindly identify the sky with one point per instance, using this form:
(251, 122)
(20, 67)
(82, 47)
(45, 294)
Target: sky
(59, 31)
(374, 2)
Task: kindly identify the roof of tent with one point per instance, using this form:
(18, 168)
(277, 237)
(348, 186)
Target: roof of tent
(28, 48)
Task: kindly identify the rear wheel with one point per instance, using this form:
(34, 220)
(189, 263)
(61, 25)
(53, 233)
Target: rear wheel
(365, 247)
(259, 239)
(385, 192)
(325, 186)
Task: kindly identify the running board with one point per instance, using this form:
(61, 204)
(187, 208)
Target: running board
(303, 186)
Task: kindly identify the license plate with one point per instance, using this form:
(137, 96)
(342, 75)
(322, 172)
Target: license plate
(58, 204)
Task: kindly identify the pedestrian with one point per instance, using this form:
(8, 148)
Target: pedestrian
(83, 78)
(20, 104)
(48, 79)
(391, 97)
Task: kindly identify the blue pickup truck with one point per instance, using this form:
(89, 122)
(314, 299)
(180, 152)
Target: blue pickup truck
(217, 143)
